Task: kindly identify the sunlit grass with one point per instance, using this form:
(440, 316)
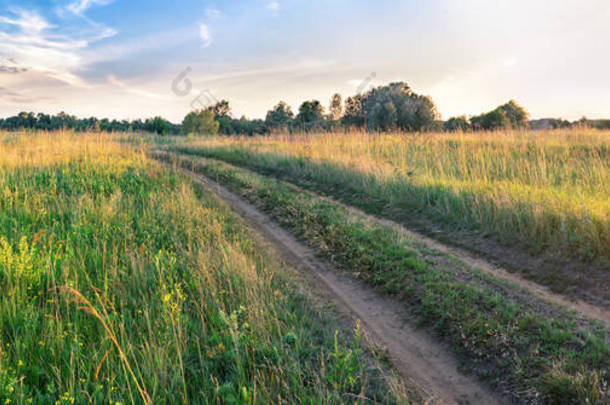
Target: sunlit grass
(122, 282)
(535, 353)
(550, 189)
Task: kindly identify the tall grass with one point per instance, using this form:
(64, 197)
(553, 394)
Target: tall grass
(549, 189)
(526, 348)
(121, 282)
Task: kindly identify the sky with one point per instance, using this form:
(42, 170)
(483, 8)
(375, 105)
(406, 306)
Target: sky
(129, 59)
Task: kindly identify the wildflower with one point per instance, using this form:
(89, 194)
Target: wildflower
(20, 363)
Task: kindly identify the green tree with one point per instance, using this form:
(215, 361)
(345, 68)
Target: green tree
(311, 115)
(336, 107)
(280, 117)
(220, 109)
(354, 112)
(397, 107)
(157, 125)
(517, 116)
(457, 124)
(200, 122)
(222, 114)
(509, 115)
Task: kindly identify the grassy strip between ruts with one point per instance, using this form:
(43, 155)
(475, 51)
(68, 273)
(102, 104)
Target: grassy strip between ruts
(121, 282)
(475, 220)
(516, 349)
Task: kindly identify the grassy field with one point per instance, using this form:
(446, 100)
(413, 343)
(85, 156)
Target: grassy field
(521, 346)
(548, 191)
(122, 282)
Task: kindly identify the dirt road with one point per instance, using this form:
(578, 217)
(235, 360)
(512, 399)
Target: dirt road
(422, 361)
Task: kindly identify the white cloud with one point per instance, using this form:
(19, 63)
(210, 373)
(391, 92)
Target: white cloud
(80, 6)
(36, 46)
(273, 5)
(204, 34)
(29, 23)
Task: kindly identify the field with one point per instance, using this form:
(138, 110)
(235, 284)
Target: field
(536, 195)
(143, 269)
(124, 282)
(524, 347)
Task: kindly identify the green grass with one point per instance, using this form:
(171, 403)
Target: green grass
(121, 282)
(549, 189)
(517, 346)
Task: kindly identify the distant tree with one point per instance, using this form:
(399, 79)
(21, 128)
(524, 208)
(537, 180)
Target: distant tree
(456, 124)
(492, 120)
(220, 109)
(222, 114)
(396, 106)
(517, 116)
(336, 107)
(583, 122)
(137, 125)
(280, 117)
(354, 115)
(158, 125)
(599, 124)
(311, 115)
(244, 126)
(41, 121)
(200, 122)
(105, 124)
(509, 115)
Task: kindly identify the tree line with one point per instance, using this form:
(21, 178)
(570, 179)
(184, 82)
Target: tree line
(46, 122)
(385, 108)
(394, 107)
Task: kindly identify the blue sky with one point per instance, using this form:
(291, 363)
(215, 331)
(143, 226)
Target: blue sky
(123, 58)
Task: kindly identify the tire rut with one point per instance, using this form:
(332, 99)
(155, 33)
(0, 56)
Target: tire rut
(421, 361)
(472, 260)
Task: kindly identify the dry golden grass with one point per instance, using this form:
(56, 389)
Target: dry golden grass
(550, 188)
(18, 150)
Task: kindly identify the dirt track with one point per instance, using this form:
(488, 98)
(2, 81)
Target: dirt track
(424, 363)
(541, 292)
(528, 289)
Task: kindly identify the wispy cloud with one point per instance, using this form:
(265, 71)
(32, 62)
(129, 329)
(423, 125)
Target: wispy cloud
(29, 23)
(32, 44)
(80, 6)
(213, 13)
(273, 5)
(204, 34)
(130, 89)
(37, 50)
